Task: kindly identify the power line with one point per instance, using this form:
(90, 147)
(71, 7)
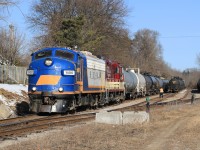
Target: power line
(20, 10)
(181, 36)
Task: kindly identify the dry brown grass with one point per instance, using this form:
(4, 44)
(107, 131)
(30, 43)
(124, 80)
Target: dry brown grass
(8, 95)
(16, 97)
(117, 137)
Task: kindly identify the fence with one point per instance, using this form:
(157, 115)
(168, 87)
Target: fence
(13, 74)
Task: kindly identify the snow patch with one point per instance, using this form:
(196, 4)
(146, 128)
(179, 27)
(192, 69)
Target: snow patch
(14, 88)
(3, 99)
(183, 91)
(8, 106)
(7, 102)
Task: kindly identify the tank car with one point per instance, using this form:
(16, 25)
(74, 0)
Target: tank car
(165, 85)
(156, 84)
(198, 85)
(142, 84)
(176, 84)
(61, 79)
(135, 84)
(159, 82)
(153, 84)
(149, 84)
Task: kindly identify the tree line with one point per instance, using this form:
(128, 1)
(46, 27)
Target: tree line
(97, 26)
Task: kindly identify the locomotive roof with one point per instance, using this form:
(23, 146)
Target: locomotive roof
(56, 48)
(84, 54)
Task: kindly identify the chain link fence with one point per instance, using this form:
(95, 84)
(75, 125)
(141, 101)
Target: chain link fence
(13, 74)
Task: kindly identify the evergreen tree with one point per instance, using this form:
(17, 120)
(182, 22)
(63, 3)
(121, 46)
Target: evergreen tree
(70, 32)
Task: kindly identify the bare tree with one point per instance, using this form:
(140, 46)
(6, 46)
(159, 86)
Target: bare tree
(147, 51)
(11, 43)
(4, 8)
(191, 77)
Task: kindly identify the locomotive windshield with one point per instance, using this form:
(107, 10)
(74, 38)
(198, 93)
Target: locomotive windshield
(65, 55)
(43, 54)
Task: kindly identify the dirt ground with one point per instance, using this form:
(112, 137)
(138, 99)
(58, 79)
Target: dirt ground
(171, 127)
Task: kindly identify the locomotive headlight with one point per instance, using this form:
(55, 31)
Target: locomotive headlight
(34, 89)
(60, 89)
(68, 72)
(48, 62)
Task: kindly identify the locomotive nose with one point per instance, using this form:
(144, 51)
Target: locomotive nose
(53, 74)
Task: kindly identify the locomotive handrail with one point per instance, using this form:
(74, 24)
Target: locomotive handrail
(113, 80)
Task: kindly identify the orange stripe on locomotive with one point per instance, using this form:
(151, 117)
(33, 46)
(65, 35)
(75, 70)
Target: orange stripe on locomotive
(48, 80)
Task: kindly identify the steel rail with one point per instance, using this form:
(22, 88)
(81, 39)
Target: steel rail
(38, 124)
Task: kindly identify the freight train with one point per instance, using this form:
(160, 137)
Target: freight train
(62, 79)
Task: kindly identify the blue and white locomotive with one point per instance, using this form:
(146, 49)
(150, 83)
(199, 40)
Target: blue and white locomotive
(61, 79)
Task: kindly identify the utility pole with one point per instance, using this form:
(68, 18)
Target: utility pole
(11, 30)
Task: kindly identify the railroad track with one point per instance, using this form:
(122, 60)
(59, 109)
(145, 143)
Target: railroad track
(153, 102)
(19, 119)
(14, 129)
(20, 126)
(141, 105)
(180, 100)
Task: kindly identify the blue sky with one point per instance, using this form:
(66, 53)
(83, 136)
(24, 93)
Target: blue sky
(177, 21)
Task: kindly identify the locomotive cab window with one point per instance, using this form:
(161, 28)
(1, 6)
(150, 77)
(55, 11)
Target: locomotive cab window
(43, 54)
(65, 55)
